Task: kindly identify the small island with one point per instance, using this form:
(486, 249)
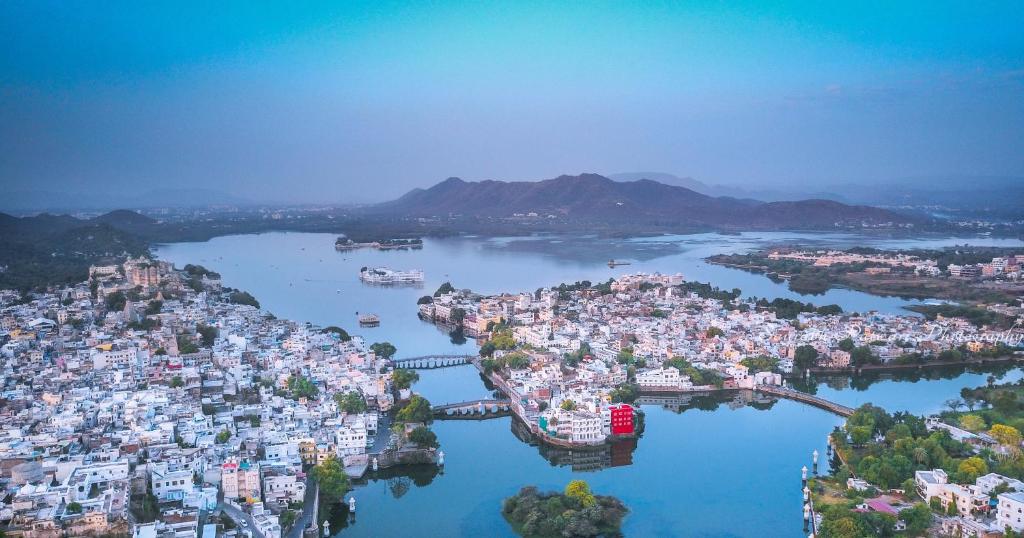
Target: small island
(574, 512)
(348, 243)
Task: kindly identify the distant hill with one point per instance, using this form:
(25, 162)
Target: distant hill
(46, 249)
(595, 198)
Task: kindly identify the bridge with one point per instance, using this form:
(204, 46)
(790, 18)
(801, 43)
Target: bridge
(426, 362)
(472, 410)
(809, 399)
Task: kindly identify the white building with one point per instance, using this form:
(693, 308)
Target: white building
(1010, 511)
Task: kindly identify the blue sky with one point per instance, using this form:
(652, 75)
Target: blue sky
(347, 101)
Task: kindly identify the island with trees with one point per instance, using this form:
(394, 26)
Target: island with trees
(574, 512)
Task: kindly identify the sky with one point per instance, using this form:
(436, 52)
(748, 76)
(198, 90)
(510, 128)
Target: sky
(356, 102)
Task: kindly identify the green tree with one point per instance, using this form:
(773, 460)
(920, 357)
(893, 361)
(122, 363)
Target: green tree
(350, 402)
(176, 382)
(421, 435)
(186, 345)
(443, 289)
(417, 410)
(846, 344)
(568, 405)
(223, 436)
(331, 477)
(403, 378)
(806, 357)
(74, 508)
(207, 333)
(713, 332)
(342, 333)
(383, 350)
(580, 490)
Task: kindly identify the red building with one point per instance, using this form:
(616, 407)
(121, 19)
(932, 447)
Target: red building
(622, 419)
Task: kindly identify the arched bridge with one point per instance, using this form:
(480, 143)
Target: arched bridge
(426, 362)
(472, 410)
(809, 399)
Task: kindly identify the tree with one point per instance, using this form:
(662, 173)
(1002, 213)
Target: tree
(403, 379)
(806, 357)
(972, 423)
(177, 382)
(713, 332)
(243, 297)
(1006, 435)
(954, 403)
(74, 508)
(971, 468)
(383, 350)
(443, 289)
(186, 345)
(422, 436)
(487, 349)
(417, 410)
(207, 333)
(350, 402)
(457, 315)
(342, 333)
(302, 387)
(115, 301)
(580, 490)
(331, 477)
(568, 405)
(426, 299)
(846, 344)
(223, 436)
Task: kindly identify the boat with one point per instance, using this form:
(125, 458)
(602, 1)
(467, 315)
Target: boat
(613, 263)
(369, 320)
(385, 275)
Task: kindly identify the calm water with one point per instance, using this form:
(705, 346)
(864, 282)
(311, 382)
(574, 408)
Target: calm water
(300, 276)
(707, 467)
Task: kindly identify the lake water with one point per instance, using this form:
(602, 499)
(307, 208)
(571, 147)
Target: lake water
(703, 467)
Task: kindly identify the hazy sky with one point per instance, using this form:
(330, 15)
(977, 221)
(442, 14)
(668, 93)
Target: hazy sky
(340, 101)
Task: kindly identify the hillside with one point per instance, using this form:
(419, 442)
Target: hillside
(46, 249)
(595, 198)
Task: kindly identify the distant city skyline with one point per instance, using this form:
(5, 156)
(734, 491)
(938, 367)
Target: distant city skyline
(361, 102)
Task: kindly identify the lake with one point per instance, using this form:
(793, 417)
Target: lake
(703, 467)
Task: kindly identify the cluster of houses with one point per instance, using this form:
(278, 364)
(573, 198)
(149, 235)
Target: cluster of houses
(1007, 267)
(136, 401)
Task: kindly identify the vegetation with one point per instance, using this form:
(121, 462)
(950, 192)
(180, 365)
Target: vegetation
(978, 317)
(342, 333)
(330, 476)
(74, 508)
(760, 363)
(243, 297)
(790, 309)
(626, 393)
(697, 376)
(403, 379)
(186, 345)
(207, 334)
(417, 409)
(384, 350)
(302, 387)
(444, 288)
(223, 436)
(805, 357)
(574, 513)
(422, 436)
(350, 402)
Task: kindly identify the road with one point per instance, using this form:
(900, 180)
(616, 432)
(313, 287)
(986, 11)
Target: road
(308, 509)
(239, 516)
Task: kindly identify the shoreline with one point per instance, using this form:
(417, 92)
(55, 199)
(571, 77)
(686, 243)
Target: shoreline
(855, 370)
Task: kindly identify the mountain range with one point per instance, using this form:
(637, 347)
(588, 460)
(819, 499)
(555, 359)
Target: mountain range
(599, 199)
(991, 196)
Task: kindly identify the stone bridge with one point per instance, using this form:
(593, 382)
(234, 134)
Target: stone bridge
(472, 410)
(803, 397)
(426, 362)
